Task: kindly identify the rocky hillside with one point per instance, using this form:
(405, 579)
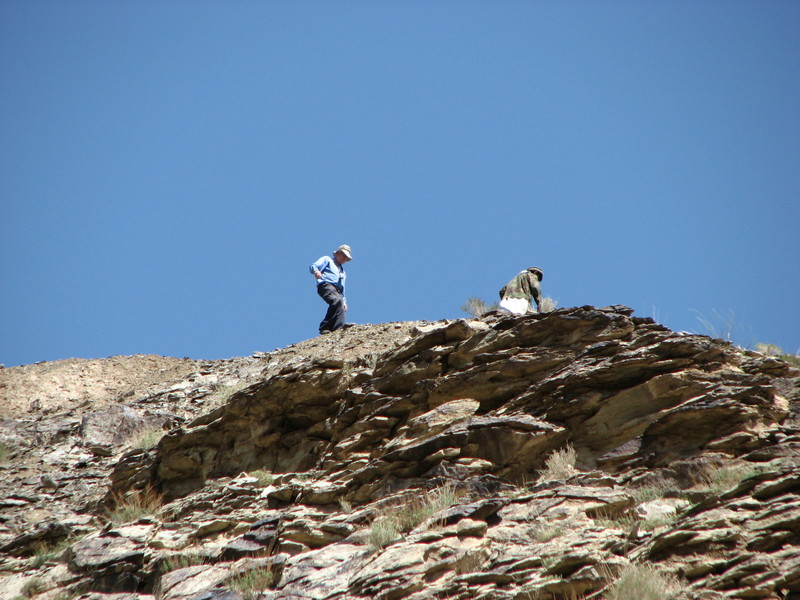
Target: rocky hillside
(583, 453)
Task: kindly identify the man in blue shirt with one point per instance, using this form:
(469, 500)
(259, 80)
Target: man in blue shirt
(330, 276)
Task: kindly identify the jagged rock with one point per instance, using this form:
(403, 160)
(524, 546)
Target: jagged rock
(685, 458)
(112, 563)
(26, 542)
(118, 596)
(208, 582)
(192, 582)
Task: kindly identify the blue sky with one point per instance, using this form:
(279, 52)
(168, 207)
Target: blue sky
(169, 169)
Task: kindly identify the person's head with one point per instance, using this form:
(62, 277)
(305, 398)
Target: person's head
(342, 254)
(536, 271)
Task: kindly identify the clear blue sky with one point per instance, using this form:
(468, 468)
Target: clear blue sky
(169, 169)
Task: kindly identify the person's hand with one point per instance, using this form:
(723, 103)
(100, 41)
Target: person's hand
(345, 307)
(317, 275)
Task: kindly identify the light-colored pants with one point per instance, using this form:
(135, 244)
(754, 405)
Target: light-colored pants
(516, 306)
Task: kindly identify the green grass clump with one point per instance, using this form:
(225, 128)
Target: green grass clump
(630, 521)
(625, 521)
(146, 438)
(410, 514)
(44, 553)
(33, 587)
(223, 394)
(652, 491)
(641, 582)
(773, 350)
(383, 532)
(250, 584)
(545, 533)
(182, 561)
(792, 359)
(265, 478)
(656, 521)
(5, 452)
(720, 480)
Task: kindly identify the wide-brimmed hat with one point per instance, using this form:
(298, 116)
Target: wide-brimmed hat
(538, 272)
(345, 249)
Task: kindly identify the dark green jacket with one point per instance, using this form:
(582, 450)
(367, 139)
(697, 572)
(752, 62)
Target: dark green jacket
(524, 285)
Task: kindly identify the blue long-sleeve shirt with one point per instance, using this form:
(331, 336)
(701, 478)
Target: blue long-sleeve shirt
(332, 272)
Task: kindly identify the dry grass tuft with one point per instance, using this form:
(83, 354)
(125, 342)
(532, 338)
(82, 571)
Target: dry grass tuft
(547, 305)
(560, 465)
(477, 307)
(134, 505)
(251, 584)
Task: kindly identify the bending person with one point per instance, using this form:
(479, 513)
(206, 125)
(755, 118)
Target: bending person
(519, 295)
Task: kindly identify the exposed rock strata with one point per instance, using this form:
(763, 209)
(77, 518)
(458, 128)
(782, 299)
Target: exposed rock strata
(687, 461)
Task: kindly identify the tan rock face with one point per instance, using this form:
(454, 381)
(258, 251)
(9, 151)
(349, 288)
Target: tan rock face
(543, 456)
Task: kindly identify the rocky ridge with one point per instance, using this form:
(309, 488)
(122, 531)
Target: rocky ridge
(552, 456)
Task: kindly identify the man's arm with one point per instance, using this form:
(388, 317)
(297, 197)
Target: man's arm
(317, 267)
(536, 291)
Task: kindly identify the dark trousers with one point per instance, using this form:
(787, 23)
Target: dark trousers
(334, 318)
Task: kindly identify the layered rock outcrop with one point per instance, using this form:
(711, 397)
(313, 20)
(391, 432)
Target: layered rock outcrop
(551, 456)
